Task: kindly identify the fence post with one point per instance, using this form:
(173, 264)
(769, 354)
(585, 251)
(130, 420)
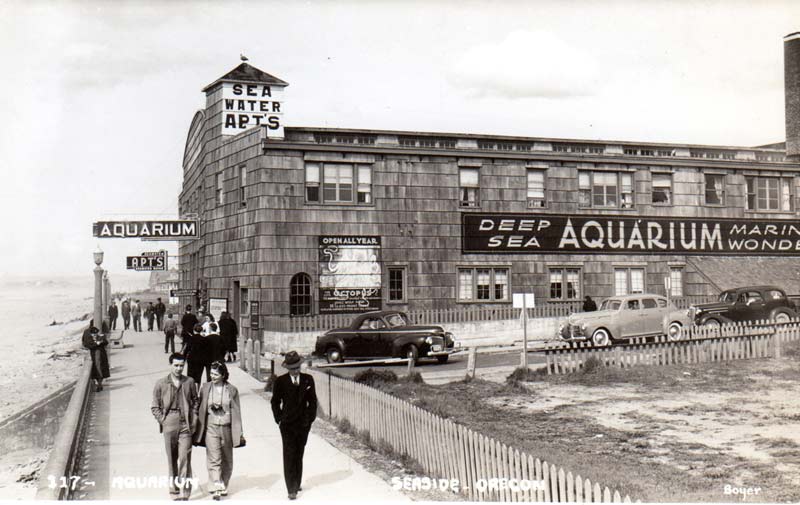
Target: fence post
(777, 338)
(257, 359)
(471, 360)
(248, 355)
(242, 353)
(410, 370)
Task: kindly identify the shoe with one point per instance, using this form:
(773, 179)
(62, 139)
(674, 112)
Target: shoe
(292, 496)
(174, 492)
(299, 489)
(216, 496)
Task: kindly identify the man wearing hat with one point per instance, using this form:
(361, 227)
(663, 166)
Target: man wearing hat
(294, 405)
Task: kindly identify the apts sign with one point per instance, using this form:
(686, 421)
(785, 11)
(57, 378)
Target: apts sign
(554, 233)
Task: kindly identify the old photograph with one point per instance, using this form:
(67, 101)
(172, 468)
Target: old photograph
(399, 251)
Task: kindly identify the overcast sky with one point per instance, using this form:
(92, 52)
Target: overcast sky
(96, 98)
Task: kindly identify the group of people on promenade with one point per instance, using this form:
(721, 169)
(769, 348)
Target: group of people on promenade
(133, 311)
(210, 416)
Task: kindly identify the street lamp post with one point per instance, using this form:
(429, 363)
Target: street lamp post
(98, 288)
(106, 298)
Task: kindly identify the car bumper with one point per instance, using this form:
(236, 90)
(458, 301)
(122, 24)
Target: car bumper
(571, 334)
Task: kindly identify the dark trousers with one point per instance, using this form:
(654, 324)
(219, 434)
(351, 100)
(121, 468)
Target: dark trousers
(137, 323)
(114, 323)
(159, 321)
(294, 445)
(127, 321)
(150, 323)
(169, 340)
(196, 371)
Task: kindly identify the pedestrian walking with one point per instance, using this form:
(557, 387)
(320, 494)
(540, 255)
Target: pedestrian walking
(215, 339)
(96, 343)
(170, 327)
(199, 354)
(174, 406)
(229, 333)
(220, 428)
(294, 406)
(150, 314)
(588, 304)
(187, 324)
(161, 309)
(126, 313)
(113, 313)
(136, 312)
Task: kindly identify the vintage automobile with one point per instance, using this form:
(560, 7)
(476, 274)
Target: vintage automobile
(385, 334)
(745, 304)
(625, 317)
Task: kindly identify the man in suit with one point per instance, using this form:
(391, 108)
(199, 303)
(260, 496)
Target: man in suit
(161, 309)
(294, 405)
(175, 407)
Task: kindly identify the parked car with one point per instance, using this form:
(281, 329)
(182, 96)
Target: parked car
(745, 304)
(625, 317)
(385, 334)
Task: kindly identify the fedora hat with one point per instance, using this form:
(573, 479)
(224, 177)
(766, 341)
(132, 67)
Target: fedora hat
(292, 360)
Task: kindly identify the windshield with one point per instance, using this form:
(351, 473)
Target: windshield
(396, 320)
(610, 304)
(727, 296)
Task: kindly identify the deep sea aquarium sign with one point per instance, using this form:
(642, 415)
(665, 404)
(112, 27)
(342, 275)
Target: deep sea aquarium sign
(605, 234)
(153, 230)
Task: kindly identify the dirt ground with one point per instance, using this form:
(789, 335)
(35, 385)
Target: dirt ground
(690, 433)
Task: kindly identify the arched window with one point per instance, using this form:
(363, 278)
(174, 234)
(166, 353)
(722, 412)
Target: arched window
(300, 295)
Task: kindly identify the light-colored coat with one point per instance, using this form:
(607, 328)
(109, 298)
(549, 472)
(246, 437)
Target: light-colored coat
(236, 415)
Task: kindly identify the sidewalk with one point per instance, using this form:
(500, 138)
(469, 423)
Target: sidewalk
(124, 442)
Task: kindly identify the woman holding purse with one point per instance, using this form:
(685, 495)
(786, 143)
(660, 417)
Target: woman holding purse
(220, 428)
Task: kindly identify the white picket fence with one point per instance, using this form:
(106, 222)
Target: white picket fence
(447, 450)
(755, 339)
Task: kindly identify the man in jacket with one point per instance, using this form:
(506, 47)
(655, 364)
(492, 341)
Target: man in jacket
(187, 324)
(126, 313)
(160, 310)
(175, 407)
(170, 327)
(199, 354)
(150, 314)
(294, 406)
(113, 313)
(136, 312)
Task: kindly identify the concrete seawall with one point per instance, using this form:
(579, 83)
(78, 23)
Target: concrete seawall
(36, 426)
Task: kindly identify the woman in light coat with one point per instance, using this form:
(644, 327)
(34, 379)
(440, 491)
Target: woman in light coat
(220, 428)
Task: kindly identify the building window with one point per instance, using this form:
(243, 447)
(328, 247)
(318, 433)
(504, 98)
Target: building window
(338, 185)
(364, 193)
(676, 281)
(483, 284)
(662, 189)
(605, 189)
(769, 194)
(397, 284)
(535, 188)
(300, 295)
(242, 185)
(469, 184)
(628, 281)
(715, 189)
(312, 182)
(341, 183)
(565, 283)
(220, 190)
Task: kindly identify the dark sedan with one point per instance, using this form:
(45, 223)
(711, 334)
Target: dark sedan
(745, 304)
(385, 334)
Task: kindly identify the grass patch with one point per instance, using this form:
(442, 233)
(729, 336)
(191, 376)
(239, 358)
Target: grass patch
(371, 377)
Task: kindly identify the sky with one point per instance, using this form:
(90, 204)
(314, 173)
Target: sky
(96, 98)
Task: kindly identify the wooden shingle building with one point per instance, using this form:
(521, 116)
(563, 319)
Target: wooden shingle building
(297, 221)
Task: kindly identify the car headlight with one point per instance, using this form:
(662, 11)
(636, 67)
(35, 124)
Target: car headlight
(429, 340)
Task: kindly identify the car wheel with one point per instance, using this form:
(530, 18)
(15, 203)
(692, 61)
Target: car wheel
(711, 323)
(442, 359)
(412, 353)
(782, 317)
(333, 355)
(675, 331)
(601, 338)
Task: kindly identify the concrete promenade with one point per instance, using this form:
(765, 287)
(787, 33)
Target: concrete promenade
(124, 442)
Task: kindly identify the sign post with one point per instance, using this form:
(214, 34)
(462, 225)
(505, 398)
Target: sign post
(523, 301)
